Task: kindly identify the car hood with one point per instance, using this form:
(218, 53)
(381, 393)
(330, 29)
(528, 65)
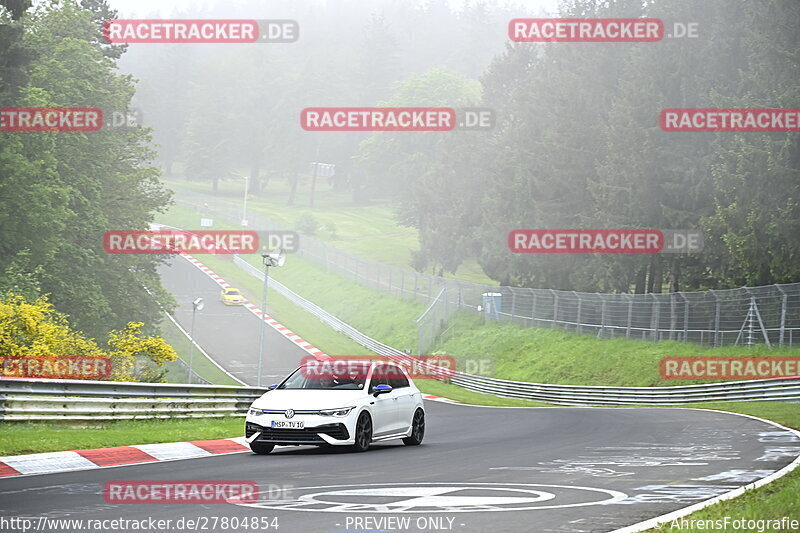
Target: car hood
(301, 400)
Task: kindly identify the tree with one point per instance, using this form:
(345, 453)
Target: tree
(35, 328)
(753, 233)
(397, 161)
(130, 346)
(62, 190)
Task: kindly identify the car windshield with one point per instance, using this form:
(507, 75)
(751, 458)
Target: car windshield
(303, 378)
(232, 292)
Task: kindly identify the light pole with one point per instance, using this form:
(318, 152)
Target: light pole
(197, 305)
(274, 259)
(244, 206)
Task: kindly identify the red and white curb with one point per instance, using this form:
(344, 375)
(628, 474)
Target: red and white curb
(274, 324)
(53, 462)
(438, 398)
(49, 463)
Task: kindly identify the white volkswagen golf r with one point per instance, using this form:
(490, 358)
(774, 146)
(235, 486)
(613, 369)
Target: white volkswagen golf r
(351, 404)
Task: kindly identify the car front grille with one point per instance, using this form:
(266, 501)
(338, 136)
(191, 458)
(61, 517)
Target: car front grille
(297, 436)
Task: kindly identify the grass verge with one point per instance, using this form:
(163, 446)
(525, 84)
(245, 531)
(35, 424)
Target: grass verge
(37, 437)
(556, 356)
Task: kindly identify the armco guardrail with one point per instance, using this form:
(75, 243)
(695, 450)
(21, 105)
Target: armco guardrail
(69, 399)
(763, 390)
(784, 389)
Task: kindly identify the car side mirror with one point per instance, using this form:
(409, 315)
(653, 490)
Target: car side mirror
(273, 386)
(381, 389)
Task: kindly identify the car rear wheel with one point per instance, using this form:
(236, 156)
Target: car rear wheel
(363, 433)
(417, 429)
(261, 449)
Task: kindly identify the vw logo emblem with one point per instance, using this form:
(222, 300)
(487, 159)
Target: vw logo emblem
(289, 413)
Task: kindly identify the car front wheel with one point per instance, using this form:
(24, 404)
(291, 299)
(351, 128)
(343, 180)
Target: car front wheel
(417, 429)
(363, 432)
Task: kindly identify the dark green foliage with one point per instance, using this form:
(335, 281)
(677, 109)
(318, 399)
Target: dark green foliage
(61, 191)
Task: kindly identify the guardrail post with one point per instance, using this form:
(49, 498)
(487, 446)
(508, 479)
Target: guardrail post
(755, 313)
(685, 317)
(783, 314)
(672, 315)
(602, 329)
(444, 294)
(657, 316)
(717, 309)
(555, 308)
(513, 303)
(533, 306)
(630, 315)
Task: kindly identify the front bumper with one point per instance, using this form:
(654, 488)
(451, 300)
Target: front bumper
(335, 433)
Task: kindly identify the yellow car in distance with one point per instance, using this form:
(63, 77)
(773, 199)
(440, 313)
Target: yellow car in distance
(231, 296)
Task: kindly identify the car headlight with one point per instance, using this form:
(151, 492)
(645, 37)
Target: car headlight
(344, 411)
(254, 412)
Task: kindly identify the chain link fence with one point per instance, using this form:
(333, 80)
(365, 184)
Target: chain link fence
(748, 315)
(769, 315)
(433, 321)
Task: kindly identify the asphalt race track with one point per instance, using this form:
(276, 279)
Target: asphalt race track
(479, 469)
(228, 333)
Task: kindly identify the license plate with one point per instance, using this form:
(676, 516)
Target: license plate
(286, 424)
